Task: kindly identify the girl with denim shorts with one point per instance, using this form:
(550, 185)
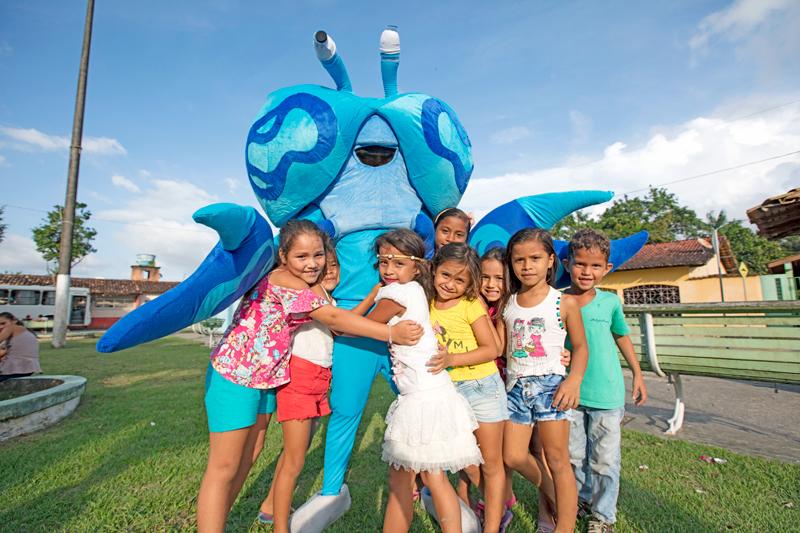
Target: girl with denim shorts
(464, 330)
(536, 321)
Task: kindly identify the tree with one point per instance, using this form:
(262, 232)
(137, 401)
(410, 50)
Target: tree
(47, 236)
(659, 213)
(2, 226)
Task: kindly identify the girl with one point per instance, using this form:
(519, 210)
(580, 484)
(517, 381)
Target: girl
(253, 356)
(451, 225)
(19, 349)
(465, 331)
(536, 320)
(429, 425)
(304, 400)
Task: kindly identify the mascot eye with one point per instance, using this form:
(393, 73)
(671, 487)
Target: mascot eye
(375, 156)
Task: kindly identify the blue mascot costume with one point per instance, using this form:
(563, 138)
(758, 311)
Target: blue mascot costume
(357, 167)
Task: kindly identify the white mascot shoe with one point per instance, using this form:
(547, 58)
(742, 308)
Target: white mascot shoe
(469, 522)
(320, 511)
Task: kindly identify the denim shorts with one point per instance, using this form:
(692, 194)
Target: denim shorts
(531, 400)
(486, 396)
(231, 406)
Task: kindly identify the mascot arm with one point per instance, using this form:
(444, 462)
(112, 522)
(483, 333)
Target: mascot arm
(243, 255)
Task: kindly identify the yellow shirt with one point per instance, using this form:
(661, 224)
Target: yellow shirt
(453, 329)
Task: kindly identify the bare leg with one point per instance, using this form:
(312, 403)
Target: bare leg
(463, 483)
(445, 501)
(516, 456)
(555, 442)
(399, 506)
(252, 449)
(547, 504)
(295, 443)
(493, 482)
(268, 505)
(224, 456)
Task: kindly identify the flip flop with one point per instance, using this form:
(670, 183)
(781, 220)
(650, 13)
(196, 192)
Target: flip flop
(265, 518)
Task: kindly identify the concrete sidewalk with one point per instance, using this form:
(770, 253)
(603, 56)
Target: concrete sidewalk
(749, 417)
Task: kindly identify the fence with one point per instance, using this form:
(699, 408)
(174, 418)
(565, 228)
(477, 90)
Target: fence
(756, 341)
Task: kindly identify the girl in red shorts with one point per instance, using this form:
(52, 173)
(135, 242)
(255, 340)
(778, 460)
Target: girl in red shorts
(303, 400)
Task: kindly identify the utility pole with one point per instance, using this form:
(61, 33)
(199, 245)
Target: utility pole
(62, 311)
(719, 264)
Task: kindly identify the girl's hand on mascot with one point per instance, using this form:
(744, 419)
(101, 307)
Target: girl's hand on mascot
(406, 332)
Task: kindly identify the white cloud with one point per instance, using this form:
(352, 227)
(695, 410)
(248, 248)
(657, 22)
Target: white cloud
(509, 135)
(158, 221)
(30, 138)
(143, 173)
(124, 183)
(700, 145)
(736, 20)
(18, 254)
(581, 126)
(3, 161)
(232, 184)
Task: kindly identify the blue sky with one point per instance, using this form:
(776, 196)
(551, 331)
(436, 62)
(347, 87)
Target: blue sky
(554, 95)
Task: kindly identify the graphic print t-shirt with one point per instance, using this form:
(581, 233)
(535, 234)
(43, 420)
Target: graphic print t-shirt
(453, 329)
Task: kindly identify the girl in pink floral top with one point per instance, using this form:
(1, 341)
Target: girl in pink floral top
(253, 357)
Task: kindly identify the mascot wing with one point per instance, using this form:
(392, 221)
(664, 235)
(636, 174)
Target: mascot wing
(244, 254)
(543, 211)
(538, 211)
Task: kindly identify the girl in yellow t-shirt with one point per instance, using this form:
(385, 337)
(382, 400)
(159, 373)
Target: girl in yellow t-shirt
(464, 330)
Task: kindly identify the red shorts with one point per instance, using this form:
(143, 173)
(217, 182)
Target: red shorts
(306, 395)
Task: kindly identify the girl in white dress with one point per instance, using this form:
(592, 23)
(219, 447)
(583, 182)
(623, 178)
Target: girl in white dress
(429, 426)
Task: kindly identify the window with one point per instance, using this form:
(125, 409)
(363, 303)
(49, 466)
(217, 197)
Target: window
(779, 288)
(49, 298)
(651, 294)
(24, 297)
(3, 296)
(108, 302)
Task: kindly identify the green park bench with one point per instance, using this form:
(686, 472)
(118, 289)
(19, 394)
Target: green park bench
(736, 340)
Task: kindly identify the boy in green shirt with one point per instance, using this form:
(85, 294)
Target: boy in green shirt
(595, 426)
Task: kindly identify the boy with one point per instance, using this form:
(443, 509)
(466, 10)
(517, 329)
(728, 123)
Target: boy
(595, 426)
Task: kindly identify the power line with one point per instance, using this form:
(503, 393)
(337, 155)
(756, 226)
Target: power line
(718, 171)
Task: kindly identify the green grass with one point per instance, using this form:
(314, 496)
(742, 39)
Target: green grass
(108, 468)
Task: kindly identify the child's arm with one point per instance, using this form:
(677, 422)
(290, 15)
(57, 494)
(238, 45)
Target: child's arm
(498, 340)
(569, 392)
(368, 302)
(487, 349)
(385, 311)
(337, 319)
(639, 391)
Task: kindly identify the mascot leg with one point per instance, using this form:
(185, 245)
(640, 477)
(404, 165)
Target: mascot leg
(469, 522)
(356, 362)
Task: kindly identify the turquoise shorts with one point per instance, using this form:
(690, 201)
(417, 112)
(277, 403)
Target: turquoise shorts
(231, 406)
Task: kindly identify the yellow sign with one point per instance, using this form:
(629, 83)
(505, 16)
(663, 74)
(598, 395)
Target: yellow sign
(743, 270)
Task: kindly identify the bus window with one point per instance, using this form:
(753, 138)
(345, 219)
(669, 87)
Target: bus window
(77, 313)
(49, 298)
(3, 296)
(24, 297)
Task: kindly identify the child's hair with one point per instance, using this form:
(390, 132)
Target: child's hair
(411, 244)
(453, 212)
(525, 235)
(295, 227)
(589, 239)
(498, 254)
(11, 318)
(463, 254)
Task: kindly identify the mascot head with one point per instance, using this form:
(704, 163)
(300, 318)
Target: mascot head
(364, 162)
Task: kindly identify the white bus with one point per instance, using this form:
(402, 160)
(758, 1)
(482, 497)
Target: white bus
(32, 302)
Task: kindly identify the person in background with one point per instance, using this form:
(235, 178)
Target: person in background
(19, 349)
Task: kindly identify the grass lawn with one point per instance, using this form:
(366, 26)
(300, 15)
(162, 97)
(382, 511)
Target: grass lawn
(132, 455)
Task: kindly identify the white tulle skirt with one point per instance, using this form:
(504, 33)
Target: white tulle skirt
(431, 430)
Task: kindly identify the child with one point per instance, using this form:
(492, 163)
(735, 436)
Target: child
(595, 431)
(536, 320)
(465, 331)
(304, 400)
(429, 425)
(253, 356)
(451, 225)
